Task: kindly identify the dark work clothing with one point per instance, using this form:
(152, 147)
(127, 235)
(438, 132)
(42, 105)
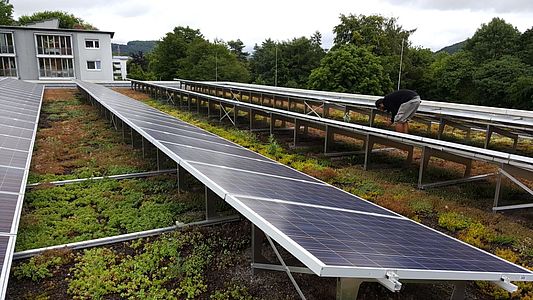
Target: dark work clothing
(393, 101)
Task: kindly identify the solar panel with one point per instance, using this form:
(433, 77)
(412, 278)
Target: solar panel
(164, 135)
(237, 162)
(332, 232)
(237, 182)
(20, 104)
(341, 238)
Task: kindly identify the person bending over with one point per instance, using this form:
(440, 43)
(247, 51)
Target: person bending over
(402, 105)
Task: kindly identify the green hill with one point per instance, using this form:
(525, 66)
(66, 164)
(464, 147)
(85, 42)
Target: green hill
(133, 47)
(453, 48)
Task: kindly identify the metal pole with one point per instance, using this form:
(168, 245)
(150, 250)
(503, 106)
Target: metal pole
(276, 69)
(216, 61)
(400, 72)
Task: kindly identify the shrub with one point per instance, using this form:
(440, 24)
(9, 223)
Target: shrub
(453, 221)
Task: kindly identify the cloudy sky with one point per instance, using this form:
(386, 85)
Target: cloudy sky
(438, 23)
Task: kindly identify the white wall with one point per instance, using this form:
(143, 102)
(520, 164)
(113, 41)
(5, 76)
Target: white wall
(103, 54)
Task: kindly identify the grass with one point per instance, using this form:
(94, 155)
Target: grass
(175, 265)
(89, 210)
(73, 141)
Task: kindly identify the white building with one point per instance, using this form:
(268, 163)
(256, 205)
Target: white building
(43, 51)
(120, 71)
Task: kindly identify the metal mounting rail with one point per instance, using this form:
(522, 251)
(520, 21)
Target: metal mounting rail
(121, 238)
(510, 123)
(115, 177)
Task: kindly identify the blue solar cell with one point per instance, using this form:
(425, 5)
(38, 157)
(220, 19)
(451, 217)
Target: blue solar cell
(8, 204)
(16, 123)
(13, 158)
(257, 185)
(226, 160)
(340, 238)
(7, 112)
(16, 131)
(11, 142)
(11, 179)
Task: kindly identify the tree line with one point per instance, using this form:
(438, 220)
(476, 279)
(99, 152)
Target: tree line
(494, 67)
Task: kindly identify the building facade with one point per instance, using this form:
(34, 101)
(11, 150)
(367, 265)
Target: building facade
(43, 51)
(119, 67)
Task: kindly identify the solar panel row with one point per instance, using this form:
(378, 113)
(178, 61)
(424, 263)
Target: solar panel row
(20, 104)
(333, 232)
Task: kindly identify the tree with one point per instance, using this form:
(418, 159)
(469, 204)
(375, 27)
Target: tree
(164, 59)
(263, 63)
(380, 34)
(6, 13)
(525, 46)
(351, 69)
(138, 67)
(415, 67)
(451, 78)
(66, 20)
(208, 61)
(236, 47)
(493, 40)
(302, 56)
(497, 80)
(295, 59)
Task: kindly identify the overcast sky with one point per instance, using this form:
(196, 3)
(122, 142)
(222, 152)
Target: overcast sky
(438, 23)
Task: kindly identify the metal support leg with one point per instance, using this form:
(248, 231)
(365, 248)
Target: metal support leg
(459, 290)
(251, 116)
(131, 136)
(427, 153)
(329, 140)
(369, 145)
(181, 174)
(442, 124)
(287, 270)
(142, 145)
(157, 158)
(210, 204)
(372, 117)
(272, 123)
(258, 237)
(296, 131)
(348, 288)
(498, 189)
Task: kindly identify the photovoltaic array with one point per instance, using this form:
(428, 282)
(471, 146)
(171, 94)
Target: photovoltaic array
(20, 105)
(332, 232)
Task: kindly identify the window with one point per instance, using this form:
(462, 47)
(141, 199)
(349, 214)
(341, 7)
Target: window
(56, 67)
(54, 45)
(6, 43)
(7, 67)
(92, 44)
(94, 65)
(54, 53)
